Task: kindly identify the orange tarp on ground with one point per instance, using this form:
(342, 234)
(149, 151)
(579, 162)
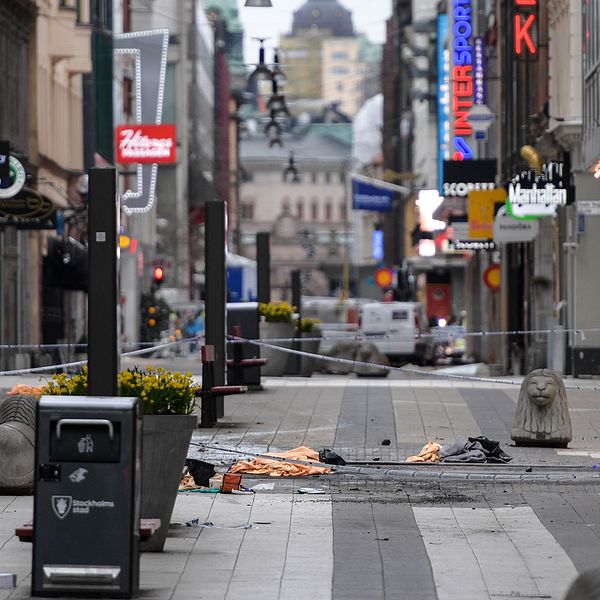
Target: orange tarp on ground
(276, 468)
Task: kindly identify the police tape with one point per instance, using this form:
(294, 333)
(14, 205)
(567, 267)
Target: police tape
(430, 472)
(440, 336)
(411, 370)
(81, 363)
(79, 346)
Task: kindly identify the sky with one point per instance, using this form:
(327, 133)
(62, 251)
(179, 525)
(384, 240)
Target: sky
(369, 17)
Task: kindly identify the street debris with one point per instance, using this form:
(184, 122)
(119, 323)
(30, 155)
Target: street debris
(463, 450)
(308, 490)
(211, 525)
(259, 487)
(278, 468)
(329, 457)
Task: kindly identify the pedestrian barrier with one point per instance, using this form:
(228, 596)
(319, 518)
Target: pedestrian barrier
(210, 392)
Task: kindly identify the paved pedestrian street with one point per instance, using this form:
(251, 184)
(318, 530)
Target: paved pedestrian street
(373, 532)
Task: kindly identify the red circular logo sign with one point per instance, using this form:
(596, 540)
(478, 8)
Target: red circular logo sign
(492, 277)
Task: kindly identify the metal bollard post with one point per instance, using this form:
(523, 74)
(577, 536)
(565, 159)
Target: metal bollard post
(208, 412)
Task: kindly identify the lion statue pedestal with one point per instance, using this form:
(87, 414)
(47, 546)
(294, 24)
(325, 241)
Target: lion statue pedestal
(542, 417)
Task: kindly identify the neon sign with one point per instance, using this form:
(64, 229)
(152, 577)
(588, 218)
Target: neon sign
(523, 25)
(462, 79)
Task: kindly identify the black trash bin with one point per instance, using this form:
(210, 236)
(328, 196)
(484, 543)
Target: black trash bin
(87, 497)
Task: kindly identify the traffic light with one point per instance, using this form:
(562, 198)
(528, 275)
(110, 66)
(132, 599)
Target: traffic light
(158, 276)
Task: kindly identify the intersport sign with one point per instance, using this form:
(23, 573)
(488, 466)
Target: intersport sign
(146, 143)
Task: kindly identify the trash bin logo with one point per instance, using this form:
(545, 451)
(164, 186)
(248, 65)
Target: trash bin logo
(78, 475)
(86, 444)
(61, 505)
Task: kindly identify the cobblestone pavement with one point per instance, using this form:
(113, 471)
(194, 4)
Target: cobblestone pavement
(374, 533)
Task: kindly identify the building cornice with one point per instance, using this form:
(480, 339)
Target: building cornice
(556, 9)
(568, 133)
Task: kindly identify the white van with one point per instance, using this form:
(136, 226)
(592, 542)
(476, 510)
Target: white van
(396, 329)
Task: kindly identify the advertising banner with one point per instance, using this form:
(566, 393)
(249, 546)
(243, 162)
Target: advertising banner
(482, 207)
(462, 177)
(146, 143)
(370, 196)
(148, 50)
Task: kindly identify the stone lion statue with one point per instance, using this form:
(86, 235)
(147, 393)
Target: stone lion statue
(542, 417)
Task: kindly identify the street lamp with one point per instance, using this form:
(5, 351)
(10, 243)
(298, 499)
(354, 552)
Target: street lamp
(262, 71)
(276, 103)
(258, 3)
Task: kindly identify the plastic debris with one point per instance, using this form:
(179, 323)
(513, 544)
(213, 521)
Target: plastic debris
(259, 487)
(308, 490)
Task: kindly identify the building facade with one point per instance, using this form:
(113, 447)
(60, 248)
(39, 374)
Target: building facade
(46, 53)
(299, 194)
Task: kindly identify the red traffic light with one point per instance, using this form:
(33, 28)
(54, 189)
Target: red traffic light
(158, 275)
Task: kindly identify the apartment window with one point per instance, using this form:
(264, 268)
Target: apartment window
(300, 210)
(313, 177)
(327, 177)
(342, 176)
(14, 74)
(314, 210)
(343, 71)
(339, 55)
(247, 210)
(343, 211)
(328, 212)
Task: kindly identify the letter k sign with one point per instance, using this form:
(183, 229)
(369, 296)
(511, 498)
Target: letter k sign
(522, 34)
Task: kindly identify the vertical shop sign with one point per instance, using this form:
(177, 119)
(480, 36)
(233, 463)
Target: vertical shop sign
(462, 79)
(524, 25)
(148, 51)
(443, 92)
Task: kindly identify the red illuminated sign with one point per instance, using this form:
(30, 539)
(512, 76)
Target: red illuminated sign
(523, 25)
(146, 143)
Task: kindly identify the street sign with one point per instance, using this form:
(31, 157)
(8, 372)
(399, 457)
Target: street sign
(492, 277)
(588, 207)
(480, 117)
(508, 230)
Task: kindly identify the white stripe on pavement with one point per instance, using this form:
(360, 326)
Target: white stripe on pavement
(495, 554)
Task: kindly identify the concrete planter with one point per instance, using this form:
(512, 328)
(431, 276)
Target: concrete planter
(17, 444)
(277, 360)
(165, 443)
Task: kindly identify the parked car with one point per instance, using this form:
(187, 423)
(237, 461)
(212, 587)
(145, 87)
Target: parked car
(400, 330)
